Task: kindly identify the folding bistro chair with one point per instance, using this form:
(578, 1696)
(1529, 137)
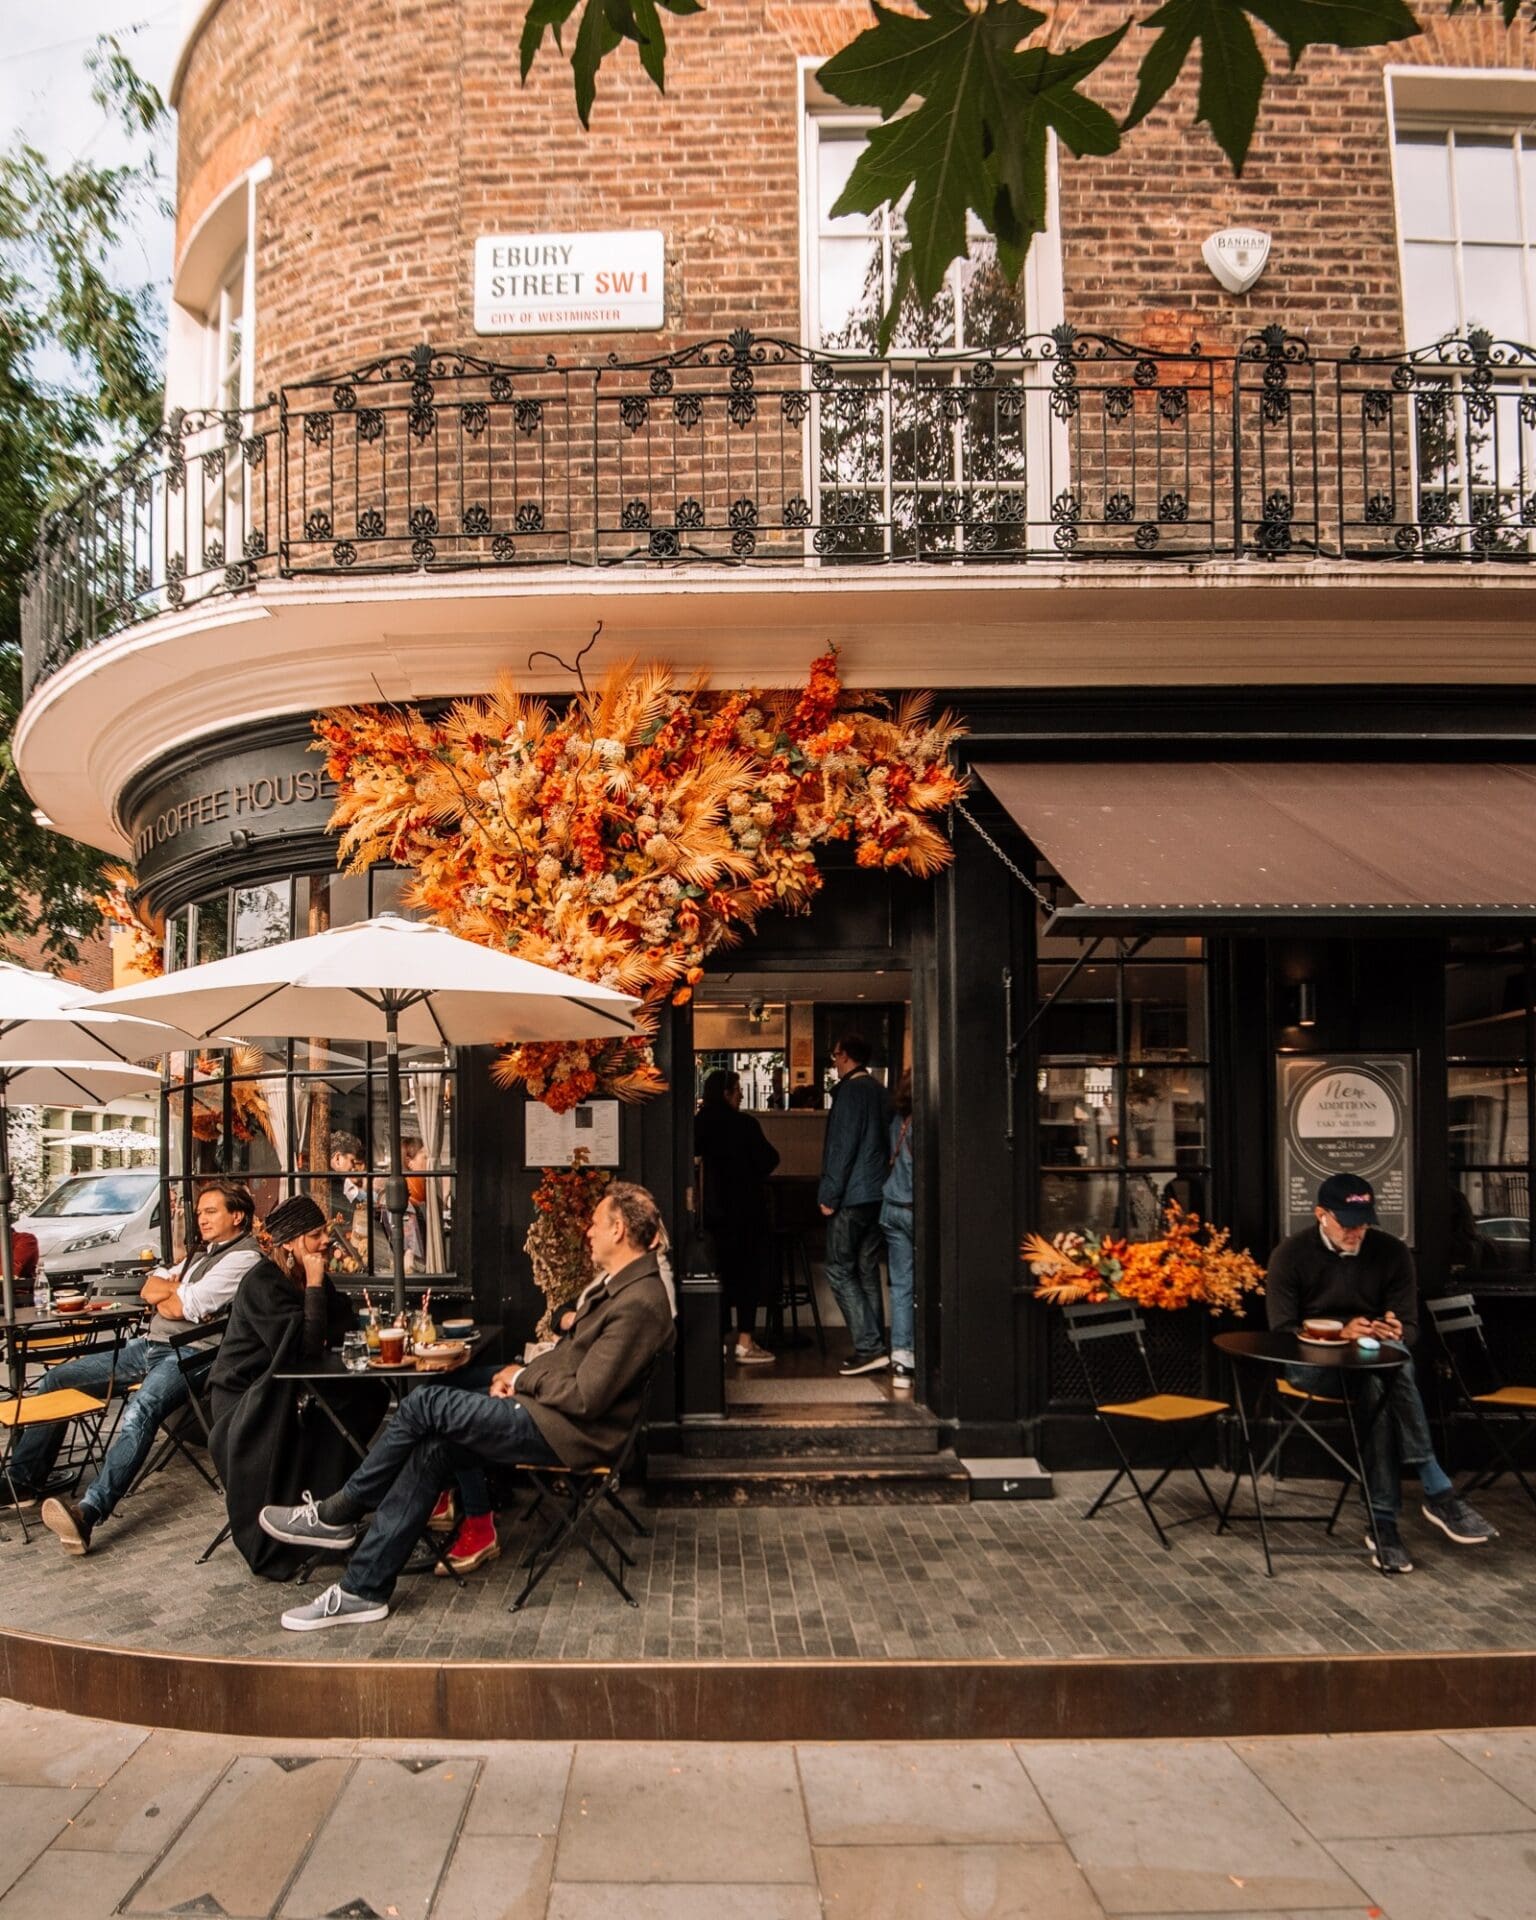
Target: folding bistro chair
(1175, 1419)
(1491, 1403)
(84, 1413)
(189, 1425)
(568, 1500)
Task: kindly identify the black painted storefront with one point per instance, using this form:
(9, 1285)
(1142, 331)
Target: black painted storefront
(992, 1363)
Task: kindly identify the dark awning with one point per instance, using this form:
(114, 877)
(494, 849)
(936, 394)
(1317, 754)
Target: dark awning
(1210, 844)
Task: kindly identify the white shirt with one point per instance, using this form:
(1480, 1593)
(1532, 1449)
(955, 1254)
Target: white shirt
(1344, 1253)
(209, 1292)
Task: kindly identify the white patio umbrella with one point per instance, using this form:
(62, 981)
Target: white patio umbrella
(387, 979)
(50, 1023)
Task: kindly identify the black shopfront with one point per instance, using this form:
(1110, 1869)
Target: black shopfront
(1067, 1071)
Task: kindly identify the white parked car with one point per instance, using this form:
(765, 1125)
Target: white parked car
(95, 1220)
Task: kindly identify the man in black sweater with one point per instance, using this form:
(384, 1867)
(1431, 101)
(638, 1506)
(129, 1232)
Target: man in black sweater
(1345, 1268)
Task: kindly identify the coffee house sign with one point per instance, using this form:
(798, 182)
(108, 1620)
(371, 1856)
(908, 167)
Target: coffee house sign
(569, 282)
(229, 802)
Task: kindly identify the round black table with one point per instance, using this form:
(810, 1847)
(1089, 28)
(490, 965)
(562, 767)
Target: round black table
(1276, 1352)
(34, 1320)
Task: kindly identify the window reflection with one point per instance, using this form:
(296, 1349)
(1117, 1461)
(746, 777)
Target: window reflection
(1490, 1011)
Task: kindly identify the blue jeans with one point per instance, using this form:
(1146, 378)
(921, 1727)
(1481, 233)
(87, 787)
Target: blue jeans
(896, 1225)
(853, 1274)
(435, 1434)
(162, 1389)
(1399, 1433)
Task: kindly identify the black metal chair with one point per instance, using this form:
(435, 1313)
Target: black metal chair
(569, 1501)
(1487, 1397)
(189, 1425)
(1139, 1422)
(82, 1412)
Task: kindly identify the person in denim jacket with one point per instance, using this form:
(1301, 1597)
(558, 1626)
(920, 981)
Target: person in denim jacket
(854, 1162)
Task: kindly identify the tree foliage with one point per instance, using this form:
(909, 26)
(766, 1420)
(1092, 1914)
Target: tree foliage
(79, 381)
(967, 91)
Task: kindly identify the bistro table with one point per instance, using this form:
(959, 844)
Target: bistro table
(121, 1313)
(327, 1376)
(1277, 1352)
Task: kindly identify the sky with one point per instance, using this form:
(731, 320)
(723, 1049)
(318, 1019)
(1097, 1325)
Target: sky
(45, 93)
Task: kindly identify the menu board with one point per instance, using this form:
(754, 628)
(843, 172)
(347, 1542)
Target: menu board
(1346, 1113)
(551, 1138)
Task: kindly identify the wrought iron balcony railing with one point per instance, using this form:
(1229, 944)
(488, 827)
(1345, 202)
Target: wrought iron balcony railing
(1066, 447)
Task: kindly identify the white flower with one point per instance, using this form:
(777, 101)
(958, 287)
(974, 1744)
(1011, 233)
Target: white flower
(739, 803)
(548, 870)
(750, 839)
(762, 814)
(604, 889)
(671, 820)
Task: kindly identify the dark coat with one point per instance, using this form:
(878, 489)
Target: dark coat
(736, 1158)
(269, 1442)
(583, 1395)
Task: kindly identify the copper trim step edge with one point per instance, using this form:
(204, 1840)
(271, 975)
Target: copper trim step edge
(773, 1700)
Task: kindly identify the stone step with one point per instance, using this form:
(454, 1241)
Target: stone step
(833, 1480)
(795, 1431)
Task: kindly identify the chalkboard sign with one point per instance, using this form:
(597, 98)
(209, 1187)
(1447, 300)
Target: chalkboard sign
(1346, 1113)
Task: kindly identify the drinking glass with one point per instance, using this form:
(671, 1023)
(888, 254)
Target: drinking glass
(354, 1352)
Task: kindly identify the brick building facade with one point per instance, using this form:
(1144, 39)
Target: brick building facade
(1283, 555)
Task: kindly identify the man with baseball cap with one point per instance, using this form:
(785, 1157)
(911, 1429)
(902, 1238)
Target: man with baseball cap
(1347, 1268)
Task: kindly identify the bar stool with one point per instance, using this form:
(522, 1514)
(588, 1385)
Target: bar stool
(792, 1217)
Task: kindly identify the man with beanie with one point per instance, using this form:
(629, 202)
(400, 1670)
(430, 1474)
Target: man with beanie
(1346, 1268)
(855, 1159)
(573, 1406)
(199, 1288)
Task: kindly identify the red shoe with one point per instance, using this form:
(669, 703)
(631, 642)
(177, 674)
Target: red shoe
(473, 1544)
(444, 1513)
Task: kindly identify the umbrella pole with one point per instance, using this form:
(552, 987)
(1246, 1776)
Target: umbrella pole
(395, 1199)
(6, 1269)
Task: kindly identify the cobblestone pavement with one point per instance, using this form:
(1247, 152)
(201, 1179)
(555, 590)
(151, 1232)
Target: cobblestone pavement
(991, 1580)
(102, 1819)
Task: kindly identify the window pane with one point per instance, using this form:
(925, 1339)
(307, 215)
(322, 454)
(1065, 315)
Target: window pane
(331, 900)
(1429, 293)
(176, 942)
(991, 311)
(1485, 1013)
(1494, 278)
(1079, 1203)
(261, 916)
(1083, 1020)
(1424, 186)
(1487, 1117)
(1079, 1116)
(1165, 1116)
(390, 885)
(212, 928)
(850, 292)
(1485, 187)
(1491, 1223)
(1165, 1012)
(837, 155)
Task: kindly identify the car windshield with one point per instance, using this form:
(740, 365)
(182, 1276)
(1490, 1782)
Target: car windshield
(98, 1193)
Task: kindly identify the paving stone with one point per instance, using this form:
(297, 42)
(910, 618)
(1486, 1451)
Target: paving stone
(521, 1790)
(1181, 1827)
(383, 1849)
(955, 1883)
(919, 1794)
(698, 1812)
(729, 1901)
(1463, 1877)
(241, 1848)
(150, 1797)
(1357, 1788)
(30, 1819)
(1508, 1756)
(40, 1749)
(72, 1886)
(495, 1877)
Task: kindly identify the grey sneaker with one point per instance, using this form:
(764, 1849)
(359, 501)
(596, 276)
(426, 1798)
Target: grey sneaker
(1387, 1549)
(1456, 1520)
(334, 1608)
(301, 1526)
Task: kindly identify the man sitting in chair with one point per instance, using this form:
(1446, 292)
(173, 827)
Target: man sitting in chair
(1346, 1268)
(573, 1406)
(199, 1288)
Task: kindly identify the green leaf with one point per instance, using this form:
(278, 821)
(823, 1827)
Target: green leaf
(1334, 23)
(605, 24)
(543, 16)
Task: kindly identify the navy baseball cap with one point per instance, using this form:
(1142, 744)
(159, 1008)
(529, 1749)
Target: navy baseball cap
(1351, 1200)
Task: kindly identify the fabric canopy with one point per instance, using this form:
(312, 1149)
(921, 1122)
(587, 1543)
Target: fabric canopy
(1213, 843)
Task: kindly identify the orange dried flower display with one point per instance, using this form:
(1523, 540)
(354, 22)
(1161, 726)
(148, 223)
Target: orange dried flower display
(146, 952)
(635, 830)
(1190, 1264)
(557, 1241)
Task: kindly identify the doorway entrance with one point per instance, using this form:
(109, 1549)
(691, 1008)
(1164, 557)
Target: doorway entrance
(770, 1038)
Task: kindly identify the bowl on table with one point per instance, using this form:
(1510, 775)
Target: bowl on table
(1321, 1333)
(458, 1329)
(69, 1302)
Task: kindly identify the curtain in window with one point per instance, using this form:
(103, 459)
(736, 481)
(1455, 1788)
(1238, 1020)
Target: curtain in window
(427, 1097)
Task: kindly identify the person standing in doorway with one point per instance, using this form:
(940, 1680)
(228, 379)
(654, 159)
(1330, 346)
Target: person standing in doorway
(854, 1164)
(896, 1225)
(735, 1159)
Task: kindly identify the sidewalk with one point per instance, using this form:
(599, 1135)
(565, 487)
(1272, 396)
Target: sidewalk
(102, 1819)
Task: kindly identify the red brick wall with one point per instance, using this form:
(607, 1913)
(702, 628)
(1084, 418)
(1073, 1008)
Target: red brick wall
(399, 132)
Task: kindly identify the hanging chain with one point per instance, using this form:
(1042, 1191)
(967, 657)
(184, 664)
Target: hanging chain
(1011, 864)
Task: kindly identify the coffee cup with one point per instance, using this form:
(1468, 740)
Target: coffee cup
(392, 1346)
(1322, 1329)
(69, 1302)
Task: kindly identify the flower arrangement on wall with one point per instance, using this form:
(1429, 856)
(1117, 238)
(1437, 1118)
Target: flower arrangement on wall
(1189, 1264)
(122, 913)
(630, 833)
(557, 1245)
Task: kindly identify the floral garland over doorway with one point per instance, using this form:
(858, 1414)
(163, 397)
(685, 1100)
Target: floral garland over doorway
(628, 834)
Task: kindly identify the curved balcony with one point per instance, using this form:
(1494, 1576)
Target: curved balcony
(415, 526)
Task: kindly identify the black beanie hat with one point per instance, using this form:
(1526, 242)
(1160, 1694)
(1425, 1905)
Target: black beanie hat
(292, 1219)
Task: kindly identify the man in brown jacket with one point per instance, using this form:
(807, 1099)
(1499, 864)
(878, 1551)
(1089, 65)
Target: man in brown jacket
(573, 1406)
